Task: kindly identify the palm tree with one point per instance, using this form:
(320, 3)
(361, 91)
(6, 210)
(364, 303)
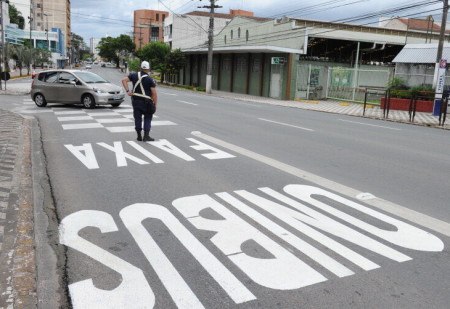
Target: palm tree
(19, 53)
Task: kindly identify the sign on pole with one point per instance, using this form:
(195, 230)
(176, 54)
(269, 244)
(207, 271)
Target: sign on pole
(439, 87)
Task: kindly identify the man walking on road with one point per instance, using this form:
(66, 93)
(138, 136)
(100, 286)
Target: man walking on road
(144, 99)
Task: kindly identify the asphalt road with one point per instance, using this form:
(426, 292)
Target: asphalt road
(241, 205)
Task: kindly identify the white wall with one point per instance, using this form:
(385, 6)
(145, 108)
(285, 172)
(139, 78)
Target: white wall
(190, 30)
(23, 6)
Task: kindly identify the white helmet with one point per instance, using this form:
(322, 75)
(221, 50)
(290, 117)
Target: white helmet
(145, 65)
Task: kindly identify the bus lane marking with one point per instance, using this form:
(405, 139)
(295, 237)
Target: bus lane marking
(282, 270)
(392, 208)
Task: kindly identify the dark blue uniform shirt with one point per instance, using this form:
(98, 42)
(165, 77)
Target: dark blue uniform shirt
(147, 83)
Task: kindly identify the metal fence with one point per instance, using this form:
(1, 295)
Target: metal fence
(413, 99)
(350, 83)
(320, 81)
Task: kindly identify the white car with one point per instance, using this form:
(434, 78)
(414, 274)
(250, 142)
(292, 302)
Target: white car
(88, 66)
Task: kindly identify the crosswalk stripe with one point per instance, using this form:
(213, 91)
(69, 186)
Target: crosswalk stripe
(70, 112)
(75, 118)
(113, 120)
(75, 126)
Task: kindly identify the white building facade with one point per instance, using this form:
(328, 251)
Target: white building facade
(93, 47)
(191, 29)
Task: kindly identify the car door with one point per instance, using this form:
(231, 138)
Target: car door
(67, 90)
(48, 86)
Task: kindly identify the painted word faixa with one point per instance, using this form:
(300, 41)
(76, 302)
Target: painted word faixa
(85, 153)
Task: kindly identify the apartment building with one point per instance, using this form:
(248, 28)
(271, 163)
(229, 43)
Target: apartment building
(148, 26)
(50, 14)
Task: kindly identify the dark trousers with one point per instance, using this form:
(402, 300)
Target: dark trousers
(140, 109)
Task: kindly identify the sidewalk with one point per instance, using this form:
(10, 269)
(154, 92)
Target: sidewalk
(345, 108)
(17, 242)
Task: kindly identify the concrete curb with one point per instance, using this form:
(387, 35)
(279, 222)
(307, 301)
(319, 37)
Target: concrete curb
(50, 262)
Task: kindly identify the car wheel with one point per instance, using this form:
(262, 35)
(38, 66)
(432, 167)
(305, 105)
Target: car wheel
(39, 100)
(115, 104)
(88, 101)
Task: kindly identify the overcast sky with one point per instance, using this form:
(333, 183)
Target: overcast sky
(101, 18)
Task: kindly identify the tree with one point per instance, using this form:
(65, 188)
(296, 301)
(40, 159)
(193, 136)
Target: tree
(15, 16)
(42, 56)
(175, 61)
(156, 53)
(115, 48)
(20, 54)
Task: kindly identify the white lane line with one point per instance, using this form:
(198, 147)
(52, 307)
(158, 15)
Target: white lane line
(285, 124)
(76, 126)
(124, 110)
(406, 213)
(75, 118)
(371, 125)
(169, 93)
(186, 102)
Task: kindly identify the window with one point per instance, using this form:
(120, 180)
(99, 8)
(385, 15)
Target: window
(49, 77)
(157, 17)
(66, 78)
(163, 17)
(231, 37)
(38, 5)
(246, 35)
(239, 33)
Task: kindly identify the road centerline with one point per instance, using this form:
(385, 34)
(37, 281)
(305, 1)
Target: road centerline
(371, 125)
(185, 102)
(286, 124)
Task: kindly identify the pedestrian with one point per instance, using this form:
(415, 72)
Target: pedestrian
(144, 99)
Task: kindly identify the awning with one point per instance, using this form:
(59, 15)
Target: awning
(244, 49)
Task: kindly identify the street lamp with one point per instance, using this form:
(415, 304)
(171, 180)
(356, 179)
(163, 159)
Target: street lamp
(46, 29)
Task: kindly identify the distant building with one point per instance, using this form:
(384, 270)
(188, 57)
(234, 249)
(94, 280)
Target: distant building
(191, 29)
(422, 25)
(93, 47)
(148, 26)
(48, 14)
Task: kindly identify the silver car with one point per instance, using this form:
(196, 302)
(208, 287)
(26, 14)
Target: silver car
(74, 87)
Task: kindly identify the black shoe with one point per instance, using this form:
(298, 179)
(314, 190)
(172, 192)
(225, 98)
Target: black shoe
(147, 137)
(139, 135)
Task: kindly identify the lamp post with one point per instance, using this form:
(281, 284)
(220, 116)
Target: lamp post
(46, 29)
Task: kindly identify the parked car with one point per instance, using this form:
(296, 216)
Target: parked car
(88, 66)
(74, 87)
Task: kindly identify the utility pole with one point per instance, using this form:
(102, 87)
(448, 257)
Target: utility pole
(441, 42)
(3, 62)
(210, 44)
(31, 40)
